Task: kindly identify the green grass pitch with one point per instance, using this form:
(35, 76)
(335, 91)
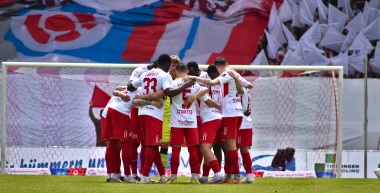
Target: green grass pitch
(24, 183)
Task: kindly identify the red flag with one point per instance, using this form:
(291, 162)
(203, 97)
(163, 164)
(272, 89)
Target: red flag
(99, 98)
(77, 171)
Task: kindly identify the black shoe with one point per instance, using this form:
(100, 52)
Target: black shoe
(121, 178)
(138, 179)
(108, 180)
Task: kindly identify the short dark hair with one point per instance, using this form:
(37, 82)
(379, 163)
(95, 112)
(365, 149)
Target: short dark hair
(181, 67)
(193, 65)
(164, 59)
(212, 69)
(220, 61)
(154, 64)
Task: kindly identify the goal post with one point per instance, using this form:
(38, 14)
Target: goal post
(6, 65)
(338, 90)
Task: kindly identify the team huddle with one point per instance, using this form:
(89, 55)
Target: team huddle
(169, 103)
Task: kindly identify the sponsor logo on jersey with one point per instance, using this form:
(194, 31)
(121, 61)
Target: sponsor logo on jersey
(184, 111)
(146, 108)
(236, 100)
(185, 122)
(215, 110)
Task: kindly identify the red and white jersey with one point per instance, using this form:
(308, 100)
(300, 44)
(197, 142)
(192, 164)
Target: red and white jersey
(184, 116)
(231, 100)
(210, 113)
(150, 82)
(246, 103)
(119, 105)
(243, 81)
(204, 75)
(138, 72)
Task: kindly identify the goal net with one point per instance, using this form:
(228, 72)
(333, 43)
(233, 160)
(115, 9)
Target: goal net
(52, 115)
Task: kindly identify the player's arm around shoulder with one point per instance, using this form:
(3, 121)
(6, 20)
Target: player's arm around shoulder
(201, 92)
(152, 96)
(138, 101)
(122, 94)
(142, 102)
(171, 92)
(205, 81)
(209, 102)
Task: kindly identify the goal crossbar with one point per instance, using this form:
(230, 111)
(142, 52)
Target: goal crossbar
(6, 65)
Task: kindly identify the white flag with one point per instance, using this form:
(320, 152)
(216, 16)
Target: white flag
(369, 13)
(261, 59)
(336, 16)
(347, 9)
(315, 58)
(274, 26)
(325, 27)
(291, 58)
(333, 39)
(289, 36)
(356, 24)
(372, 31)
(374, 63)
(360, 42)
(272, 46)
(285, 12)
(307, 17)
(313, 33)
(296, 21)
(375, 4)
(340, 3)
(304, 47)
(341, 60)
(322, 11)
(377, 50)
(348, 41)
(292, 45)
(356, 62)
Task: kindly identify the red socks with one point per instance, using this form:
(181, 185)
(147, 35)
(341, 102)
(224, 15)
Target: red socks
(134, 157)
(247, 162)
(174, 160)
(126, 156)
(194, 167)
(206, 170)
(112, 157)
(235, 161)
(214, 165)
(150, 155)
(159, 165)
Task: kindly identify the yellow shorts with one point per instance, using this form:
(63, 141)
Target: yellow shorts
(166, 122)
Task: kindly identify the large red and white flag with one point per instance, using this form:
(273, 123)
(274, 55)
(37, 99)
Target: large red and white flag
(193, 30)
